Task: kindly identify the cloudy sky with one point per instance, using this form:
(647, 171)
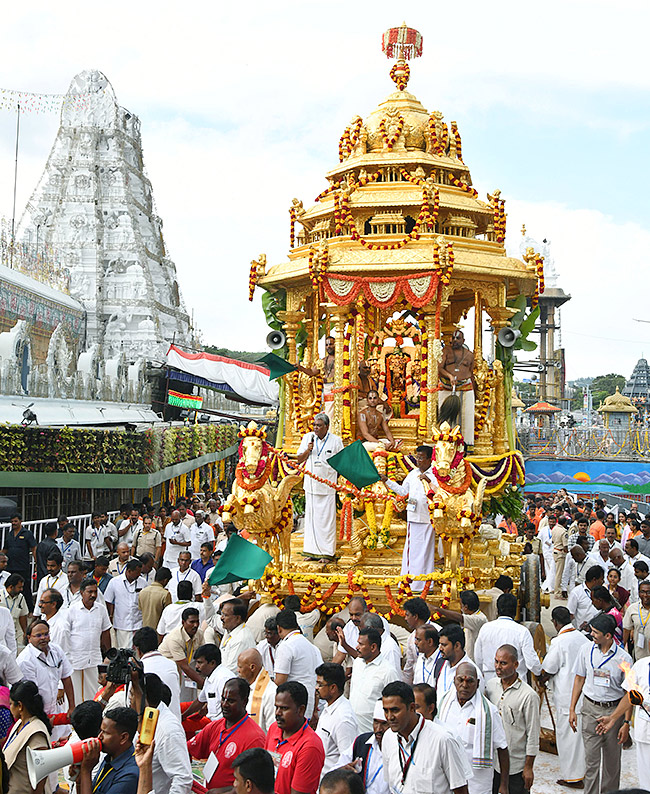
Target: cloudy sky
(242, 106)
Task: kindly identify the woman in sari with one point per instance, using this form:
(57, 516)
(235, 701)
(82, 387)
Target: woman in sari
(31, 729)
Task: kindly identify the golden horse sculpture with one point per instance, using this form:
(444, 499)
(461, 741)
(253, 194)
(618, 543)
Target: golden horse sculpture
(455, 509)
(255, 504)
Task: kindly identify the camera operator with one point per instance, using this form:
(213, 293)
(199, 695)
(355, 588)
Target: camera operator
(171, 768)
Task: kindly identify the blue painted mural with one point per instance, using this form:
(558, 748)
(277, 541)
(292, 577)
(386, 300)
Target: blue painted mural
(616, 476)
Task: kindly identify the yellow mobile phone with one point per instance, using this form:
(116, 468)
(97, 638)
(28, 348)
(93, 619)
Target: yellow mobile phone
(148, 727)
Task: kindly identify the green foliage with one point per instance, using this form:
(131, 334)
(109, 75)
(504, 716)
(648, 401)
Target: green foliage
(509, 503)
(272, 303)
(240, 355)
(93, 451)
(298, 500)
(601, 386)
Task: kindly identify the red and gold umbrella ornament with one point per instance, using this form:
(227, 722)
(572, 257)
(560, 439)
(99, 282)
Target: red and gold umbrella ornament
(402, 43)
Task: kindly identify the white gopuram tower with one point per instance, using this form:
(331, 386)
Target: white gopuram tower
(94, 204)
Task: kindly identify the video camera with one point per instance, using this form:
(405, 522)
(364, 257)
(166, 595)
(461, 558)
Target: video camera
(122, 663)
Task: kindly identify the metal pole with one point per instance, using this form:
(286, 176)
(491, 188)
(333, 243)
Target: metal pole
(13, 212)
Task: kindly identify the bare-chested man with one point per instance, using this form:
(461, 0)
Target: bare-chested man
(456, 376)
(325, 366)
(372, 427)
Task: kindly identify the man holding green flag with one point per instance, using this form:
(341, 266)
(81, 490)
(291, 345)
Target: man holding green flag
(314, 452)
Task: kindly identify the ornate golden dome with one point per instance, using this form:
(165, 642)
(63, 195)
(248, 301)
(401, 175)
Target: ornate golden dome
(617, 403)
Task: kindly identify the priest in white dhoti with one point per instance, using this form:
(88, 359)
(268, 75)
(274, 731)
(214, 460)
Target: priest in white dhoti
(418, 556)
(315, 450)
(558, 667)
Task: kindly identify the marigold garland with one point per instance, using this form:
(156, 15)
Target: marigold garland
(539, 288)
(499, 220)
(350, 138)
(457, 141)
(253, 277)
(345, 519)
(317, 264)
(481, 414)
(467, 188)
(328, 190)
(346, 429)
(400, 80)
(391, 140)
(435, 143)
(424, 369)
(256, 481)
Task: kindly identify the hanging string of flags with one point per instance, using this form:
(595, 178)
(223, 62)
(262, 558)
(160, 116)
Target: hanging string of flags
(30, 102)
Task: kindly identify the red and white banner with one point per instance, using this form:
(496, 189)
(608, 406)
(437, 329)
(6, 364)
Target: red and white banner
(250, 381)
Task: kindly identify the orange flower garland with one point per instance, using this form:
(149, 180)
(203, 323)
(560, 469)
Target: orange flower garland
(424, 369)
(346, 430)
(350, 138)
(327, 191)
(457, 141)
(317, 267)
(539, 289)
(499, 220)
(390, 141)
(435, 143)
(254, 483)
(467, 188)
(400, 80)
(481, 414)
(252, 279)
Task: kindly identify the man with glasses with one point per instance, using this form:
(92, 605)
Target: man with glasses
(44, 663)
(51, 609)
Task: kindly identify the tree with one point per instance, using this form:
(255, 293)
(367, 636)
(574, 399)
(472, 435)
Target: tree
(601, 387)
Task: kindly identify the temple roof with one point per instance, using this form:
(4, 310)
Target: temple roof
(617, 403)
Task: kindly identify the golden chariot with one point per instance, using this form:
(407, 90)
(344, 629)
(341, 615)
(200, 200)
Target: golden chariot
(393, 255)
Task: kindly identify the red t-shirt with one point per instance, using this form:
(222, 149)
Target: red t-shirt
(226, 744)
(301, 759)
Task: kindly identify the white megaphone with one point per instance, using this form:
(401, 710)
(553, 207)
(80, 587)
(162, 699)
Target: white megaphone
(276, 339)
(508, 336)
(41, 763)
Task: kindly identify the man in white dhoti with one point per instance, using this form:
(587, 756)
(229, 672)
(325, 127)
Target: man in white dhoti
(418, 556)
(558, 667)
(320, 499)
(456, 373)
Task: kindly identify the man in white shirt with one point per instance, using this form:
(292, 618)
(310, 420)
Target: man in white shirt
(99, 540)
(127, 528)
(171, 766)
(576, 567)
(416, 614)
(429, 660)
(465, 711)
(306, 620)
(185, 517)
(580, 605)
(349, 634)
(600, 555)
(68, 546)
(52, 609)
(47, 666)
(452, 648)
(638, 680)
(237, 638)
(418, 556)
(370, 674)
(419, 755)
(4, 573)
(337, 724)
(10, 673)
(171, 614)
(145, 642)
(267, 647)
(599, 676)
(55, 579)
(315, 450)
(122, 603)
(215, 674)
(261, 700)
(296, 659)
(177, 538)
(366, 753)
(182, 572)
(7, 629)
(626, 571)
(505, 631)
(200, 532)
(87, 628)
(470, 617)
(558, 668)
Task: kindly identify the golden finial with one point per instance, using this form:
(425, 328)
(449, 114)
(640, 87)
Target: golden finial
(523, 229)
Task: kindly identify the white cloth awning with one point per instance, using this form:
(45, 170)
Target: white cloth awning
(248, 381)
(59, 413)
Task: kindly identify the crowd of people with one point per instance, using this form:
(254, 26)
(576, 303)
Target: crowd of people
(126, 618)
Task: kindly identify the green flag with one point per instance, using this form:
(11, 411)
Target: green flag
(277, 366)
(355, 464)
(241, 560)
